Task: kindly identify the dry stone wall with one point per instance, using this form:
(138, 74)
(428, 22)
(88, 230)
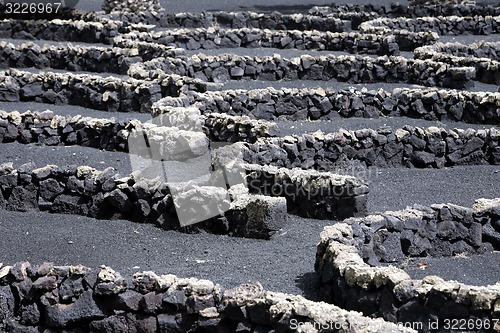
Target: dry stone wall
(443, 25)
(352, 69)
(64, 30)
(86, 191)
(490, 50)
(48, 297)
(353, 42)
(92, 91)
(311, 193)
(82, 58)
(327, 104)
(482, 56)
(346, 280)
(409, 146)
(358, 14)
(82, 191)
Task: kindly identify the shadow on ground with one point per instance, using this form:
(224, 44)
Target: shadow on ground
(307, 283)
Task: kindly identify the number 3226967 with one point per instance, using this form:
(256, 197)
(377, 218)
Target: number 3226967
(31, 8)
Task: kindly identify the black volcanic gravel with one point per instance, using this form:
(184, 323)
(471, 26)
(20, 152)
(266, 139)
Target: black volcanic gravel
(284, 263)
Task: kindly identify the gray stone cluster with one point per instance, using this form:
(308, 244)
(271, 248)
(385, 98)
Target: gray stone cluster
(353, 42)
(487, 70)
(346, 280)
(48, 298)
(443, 25)
(83, 58)
(326, 104)
(348, 68)
(409, 146)
(83, 190)
(62, 30)
(92, 91)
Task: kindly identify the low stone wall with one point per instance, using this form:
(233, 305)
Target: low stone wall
(441, 230)
(131, 6)
(487, 70)
(66, 30)
(353, 42)
(108, 134)
(440, 8)
(443, 25)
(388, 292)
(82, 58)
(238, 20)
(310, 193)
(481, 49)
(358, 14)
(408, 146)
(326, 104)
(353, 69)
(92, 91)
(51, 297)
(100, 194)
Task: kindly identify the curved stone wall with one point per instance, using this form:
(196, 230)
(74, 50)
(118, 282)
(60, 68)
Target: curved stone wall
(345, 279)
(51, 297)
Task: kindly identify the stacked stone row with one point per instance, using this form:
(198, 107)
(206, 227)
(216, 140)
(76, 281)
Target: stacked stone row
(64, 30)
(367, 12)
(92, 91)
(108, 134)
(346, 280)
(484, 57)
(409, 146)
(82, 190)
(352, 69)
(327, 104)
(490, 50)
(353, 42)
(443, 25)
(50, 297)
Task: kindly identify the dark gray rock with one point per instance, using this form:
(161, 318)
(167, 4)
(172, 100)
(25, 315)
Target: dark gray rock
(119, 200)
(22, 199)
(7, 303)
(71, 288)
(83, 309)
(50, 188)
(128, 301)
(70, 204)
(30, 315)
